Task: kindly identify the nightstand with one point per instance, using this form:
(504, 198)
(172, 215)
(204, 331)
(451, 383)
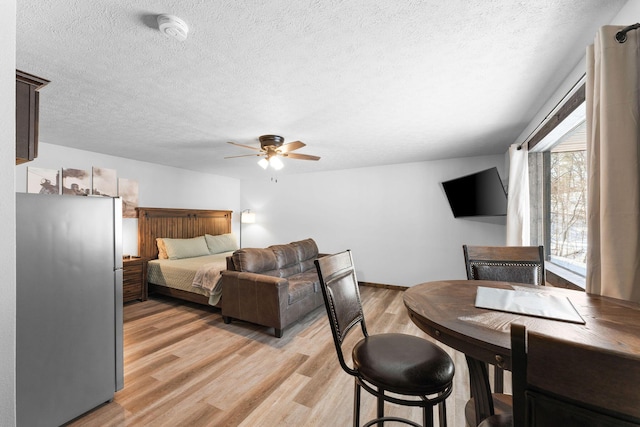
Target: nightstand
(134, 279)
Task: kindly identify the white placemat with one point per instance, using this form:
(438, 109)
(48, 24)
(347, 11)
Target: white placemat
(530, 303)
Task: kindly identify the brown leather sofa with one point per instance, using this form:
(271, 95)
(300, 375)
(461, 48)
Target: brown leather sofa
(273, 287)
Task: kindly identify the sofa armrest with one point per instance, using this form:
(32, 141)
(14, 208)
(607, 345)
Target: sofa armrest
(231, 276)
(253, 297)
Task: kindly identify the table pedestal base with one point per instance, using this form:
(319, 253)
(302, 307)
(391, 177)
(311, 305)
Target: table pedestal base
(483, 403)
(501, 405)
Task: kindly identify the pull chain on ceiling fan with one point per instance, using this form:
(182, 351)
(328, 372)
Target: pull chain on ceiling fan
(272, 147)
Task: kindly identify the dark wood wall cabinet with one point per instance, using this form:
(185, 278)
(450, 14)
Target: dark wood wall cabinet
(27, 106)
(134, 279)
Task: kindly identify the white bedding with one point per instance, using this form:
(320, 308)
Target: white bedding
(199, 275)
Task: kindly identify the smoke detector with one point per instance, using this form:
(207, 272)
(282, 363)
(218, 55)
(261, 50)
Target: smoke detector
(172, 26)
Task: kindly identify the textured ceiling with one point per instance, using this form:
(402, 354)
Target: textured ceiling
(361, 82)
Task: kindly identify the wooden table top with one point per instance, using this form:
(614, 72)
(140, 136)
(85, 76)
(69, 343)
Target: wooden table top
(445, 310)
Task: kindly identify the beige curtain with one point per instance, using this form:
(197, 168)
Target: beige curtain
(613, 156)
(518, 228)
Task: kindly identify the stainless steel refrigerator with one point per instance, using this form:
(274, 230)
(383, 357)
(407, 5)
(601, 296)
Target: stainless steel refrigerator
(69, 342)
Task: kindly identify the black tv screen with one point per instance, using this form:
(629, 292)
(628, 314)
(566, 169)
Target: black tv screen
(478, 194)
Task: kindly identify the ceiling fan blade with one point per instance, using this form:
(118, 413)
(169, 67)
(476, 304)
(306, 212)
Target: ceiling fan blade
(245, 146)
(300, 156)
(244, 155)
(290, 146)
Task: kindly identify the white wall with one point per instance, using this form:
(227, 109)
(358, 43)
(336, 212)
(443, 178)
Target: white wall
(7, 212)
(628, 15)
(158, 186)
(396, 219)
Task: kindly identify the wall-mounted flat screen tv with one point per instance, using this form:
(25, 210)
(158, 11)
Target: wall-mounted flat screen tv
(478, 194)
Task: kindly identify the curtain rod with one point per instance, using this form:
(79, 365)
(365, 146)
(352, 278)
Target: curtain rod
(621, 36)
(553, 110)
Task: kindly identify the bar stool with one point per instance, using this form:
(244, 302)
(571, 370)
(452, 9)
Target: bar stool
(414, 368)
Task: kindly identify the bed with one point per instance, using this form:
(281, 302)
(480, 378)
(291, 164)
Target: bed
(175, 277)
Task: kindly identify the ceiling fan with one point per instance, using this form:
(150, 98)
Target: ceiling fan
(271, 148)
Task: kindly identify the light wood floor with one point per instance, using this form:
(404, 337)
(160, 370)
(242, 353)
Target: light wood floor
(185, 367)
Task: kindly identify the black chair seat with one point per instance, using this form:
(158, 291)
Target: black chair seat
(403, 364)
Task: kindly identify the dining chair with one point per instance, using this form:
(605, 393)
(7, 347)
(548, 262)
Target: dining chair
(521, 264)
(565, 383)
(398, 368)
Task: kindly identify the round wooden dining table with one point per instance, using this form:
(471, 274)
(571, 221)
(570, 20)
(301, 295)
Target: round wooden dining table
(446, 311)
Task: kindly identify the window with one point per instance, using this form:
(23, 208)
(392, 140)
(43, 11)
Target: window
(558, 169)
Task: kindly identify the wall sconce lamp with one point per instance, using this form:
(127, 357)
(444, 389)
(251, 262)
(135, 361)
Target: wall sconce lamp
(246, 217)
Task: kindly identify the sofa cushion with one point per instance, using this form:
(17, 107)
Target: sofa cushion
(256, 260)
(310, 276)
(299, 287)
(307, 251)
(287, 258)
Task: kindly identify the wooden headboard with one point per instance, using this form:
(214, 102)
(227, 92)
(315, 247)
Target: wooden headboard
(177, 224)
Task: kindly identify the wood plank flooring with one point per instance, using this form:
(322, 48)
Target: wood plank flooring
(185, 367)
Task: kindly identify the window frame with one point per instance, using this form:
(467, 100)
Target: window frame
(555, 274)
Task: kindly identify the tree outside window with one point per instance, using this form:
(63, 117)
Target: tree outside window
(568, 201)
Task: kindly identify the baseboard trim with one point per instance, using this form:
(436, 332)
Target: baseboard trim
(382, 285)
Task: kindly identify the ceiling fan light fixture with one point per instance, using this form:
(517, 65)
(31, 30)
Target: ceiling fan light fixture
(264, 163)
(272, 148)
(276, 163)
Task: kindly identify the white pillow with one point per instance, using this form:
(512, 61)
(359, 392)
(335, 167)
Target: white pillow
(186, 248)
(221, 243)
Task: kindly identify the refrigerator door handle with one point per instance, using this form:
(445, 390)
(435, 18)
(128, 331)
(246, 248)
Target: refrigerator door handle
(118, 278)
(117, 232)
(119, 336)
